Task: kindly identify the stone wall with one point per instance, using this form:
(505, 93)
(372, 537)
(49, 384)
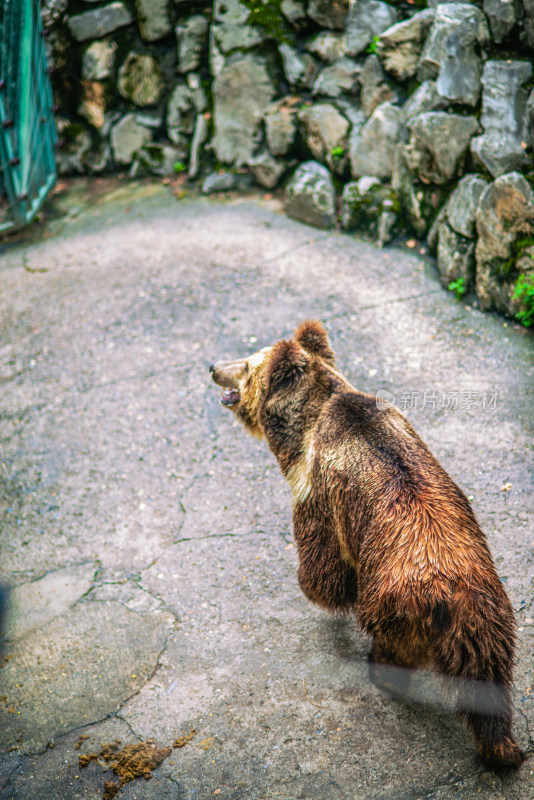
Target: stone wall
(383, 116)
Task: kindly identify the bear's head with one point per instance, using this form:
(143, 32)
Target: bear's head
(269, 390)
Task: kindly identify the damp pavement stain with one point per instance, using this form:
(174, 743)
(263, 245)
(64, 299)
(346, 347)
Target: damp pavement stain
(148, 539)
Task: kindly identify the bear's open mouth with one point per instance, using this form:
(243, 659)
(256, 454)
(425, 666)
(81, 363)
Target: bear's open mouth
(230, 397)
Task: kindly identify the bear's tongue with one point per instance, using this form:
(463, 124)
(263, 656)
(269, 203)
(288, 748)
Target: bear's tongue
(230, 397)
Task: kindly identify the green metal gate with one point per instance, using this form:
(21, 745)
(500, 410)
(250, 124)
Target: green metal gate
(27, 131)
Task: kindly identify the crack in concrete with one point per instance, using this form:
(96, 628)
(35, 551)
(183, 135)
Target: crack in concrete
(226, 535)
(444, 785)
(109, 715)
(295, 249)
(59, 569)
(118, 715)
(10, 776)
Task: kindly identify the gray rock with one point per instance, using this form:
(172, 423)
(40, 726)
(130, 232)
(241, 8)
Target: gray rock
(266, 170)
(462, 205)
(181, 114)
(198, 94)
(425, 98)
(219, 182)
(293, 10)
(528, 22)
(230, 27)
(340, 77)
(450, 51)
(192, 37)
(459, 74)
(99, 21)
(387, 222)
(200, 134)
(438, 141)
(366, 19)
(99, 159)
(502, 15)
(504, 117)
(216, 58)
(310, 195)
(94, 103)
(98, 60)
(152, 118)
(325, 129)
(328, 46)
(329, 13)
(362, 202)
(530, 117)
(352, 112)
(455, 256)
(436, 3)
(140, 80)
(53, 11)
(372, 149)
(127, 137)
(281, 125)
(375, 89)
(242, 92)
(300, 68)
(409, 195)
(153, 19)
(505, 213)
(74, 149)
(399, 47)
(155, 158)
(460, 209)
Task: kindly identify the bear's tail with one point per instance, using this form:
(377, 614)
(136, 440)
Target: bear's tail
(475, 646)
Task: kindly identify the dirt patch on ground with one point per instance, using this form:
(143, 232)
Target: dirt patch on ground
(132, 761)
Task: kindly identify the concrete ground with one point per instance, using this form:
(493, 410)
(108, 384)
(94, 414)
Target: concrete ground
(148, 539)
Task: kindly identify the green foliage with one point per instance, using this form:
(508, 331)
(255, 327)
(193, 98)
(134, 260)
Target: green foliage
(524, 290)
(267, 15)
(179, 166)
(458, 287)
(337, 153)
(372, 47)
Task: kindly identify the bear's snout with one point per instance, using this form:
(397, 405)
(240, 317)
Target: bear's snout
(229, 375)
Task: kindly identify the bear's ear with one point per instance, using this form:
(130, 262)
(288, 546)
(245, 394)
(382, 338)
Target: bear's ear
(286, 366)
(312, 337)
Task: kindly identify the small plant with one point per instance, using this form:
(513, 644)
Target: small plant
(337, 153)
(524, 290)
(458, 287)
(372, 47)
(179, 166)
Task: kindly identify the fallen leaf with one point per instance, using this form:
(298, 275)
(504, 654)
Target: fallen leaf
(411, 243)
(506, 487)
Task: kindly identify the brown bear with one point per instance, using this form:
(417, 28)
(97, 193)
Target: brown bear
(382, 530)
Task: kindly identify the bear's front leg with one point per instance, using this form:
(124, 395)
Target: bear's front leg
(325, 577)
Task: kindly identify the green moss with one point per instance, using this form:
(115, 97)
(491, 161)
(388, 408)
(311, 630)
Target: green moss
(372, 47)
(458, 287)
(337, 153)
(524, 291)
(267, 15)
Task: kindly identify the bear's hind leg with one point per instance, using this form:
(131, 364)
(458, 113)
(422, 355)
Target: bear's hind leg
(388, 670)
(480, 653)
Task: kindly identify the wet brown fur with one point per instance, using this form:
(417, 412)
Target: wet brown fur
(383, 531)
